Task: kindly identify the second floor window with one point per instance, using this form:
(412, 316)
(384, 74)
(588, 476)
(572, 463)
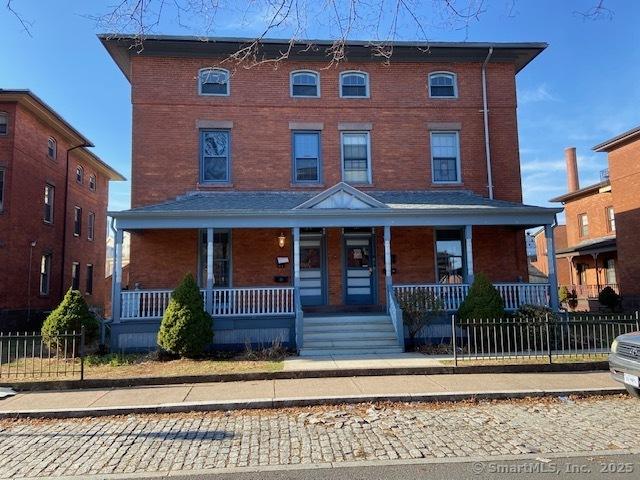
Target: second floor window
(75, 276)
(1, 189)
(354, 85)
(89, 280)
(356, 157)
(214, 157)
(611, 219)
(305, 84)
(443, 85)
(77, 221)
(213, 81)
(445, 157)
(52, 148)
(49, 194)
(45, 273)
(79, 174)
(4, 123)
(583, 223)
(306, 156)
(91, 225)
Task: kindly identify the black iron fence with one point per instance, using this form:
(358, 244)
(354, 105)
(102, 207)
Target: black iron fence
(549, 337)
(30, 355)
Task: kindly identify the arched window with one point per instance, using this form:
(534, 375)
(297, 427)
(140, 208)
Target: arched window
(92, 183)
(213, 81)
(443, 85)
(52, 148)
(4, 123)
(354, 85)
(79, 174)
(305, 83)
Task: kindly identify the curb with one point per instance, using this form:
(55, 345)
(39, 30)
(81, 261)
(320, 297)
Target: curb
(228, 405)
(298, 374)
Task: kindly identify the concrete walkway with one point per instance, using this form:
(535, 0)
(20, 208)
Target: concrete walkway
(370, 362)
(296, 392)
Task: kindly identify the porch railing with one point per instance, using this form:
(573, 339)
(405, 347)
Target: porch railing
(227, 302)
(591, 291)
(513, 294)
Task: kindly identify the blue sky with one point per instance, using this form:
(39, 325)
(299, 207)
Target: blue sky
(582, 90)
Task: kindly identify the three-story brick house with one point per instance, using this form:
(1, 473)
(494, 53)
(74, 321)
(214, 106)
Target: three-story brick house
(296, 190)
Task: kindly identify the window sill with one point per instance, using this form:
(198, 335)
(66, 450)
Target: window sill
(213, 186)
(48, 224)
(447, 184)
(307, 185)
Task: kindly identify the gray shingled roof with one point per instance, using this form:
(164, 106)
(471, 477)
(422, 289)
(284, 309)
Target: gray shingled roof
(284, 201)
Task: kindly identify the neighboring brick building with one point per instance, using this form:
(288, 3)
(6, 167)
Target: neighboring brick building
(322, 189)
(45, 163)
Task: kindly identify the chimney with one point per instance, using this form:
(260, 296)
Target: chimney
(573, 183)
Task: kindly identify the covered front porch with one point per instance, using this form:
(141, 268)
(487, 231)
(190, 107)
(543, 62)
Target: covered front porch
(266, 268)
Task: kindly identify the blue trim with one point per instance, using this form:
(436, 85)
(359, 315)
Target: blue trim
(373, 278)
(324, 277)
(201, 133)
(318, 133)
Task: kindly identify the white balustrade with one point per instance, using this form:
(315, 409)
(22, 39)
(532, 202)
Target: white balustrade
(450, 294)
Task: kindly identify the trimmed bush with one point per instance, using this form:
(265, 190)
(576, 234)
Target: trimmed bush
(483, 301)
(72, 314)
(186, 329)
(609, 298)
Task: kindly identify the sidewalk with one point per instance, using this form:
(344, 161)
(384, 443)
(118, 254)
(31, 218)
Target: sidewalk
(299, 392)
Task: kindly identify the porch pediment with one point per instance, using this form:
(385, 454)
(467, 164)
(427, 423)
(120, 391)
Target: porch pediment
(341, 196)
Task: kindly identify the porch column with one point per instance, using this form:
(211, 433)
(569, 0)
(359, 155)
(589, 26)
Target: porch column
(210, 279)
(116, 277)
(551, 260)
(387, 258)
(468, 242)
(296, 260)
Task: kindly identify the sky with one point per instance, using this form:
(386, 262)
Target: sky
(583, 89)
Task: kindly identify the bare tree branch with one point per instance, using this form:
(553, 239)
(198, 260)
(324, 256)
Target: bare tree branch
(26, 25)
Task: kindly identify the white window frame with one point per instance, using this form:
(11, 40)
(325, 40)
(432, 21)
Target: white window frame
(75, 269)
(611, 219)
(52, 192)
(45, 260)
(211, 69)
(308, 72)
(366, 83)
(458, 161)
(369, 159)
(80, 171)
(5, 117)
(91, 225)
(93, 182)
(582, 225)
(443, 73)
(52, 144)
(201, 178)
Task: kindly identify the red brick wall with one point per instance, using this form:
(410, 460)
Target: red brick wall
(500, 253)
(594, 206)
(24, 153)
(165, 93)
(562, 265)
(624, 174)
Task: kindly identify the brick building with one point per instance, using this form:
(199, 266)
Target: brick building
(53, 203)
(295, 191)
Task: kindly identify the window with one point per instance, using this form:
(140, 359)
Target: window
(77, 221)
(89, 281)
(91, 223)
(49, 195)
(214, 163)
(1, 189)
(305, 84)
(443, 85)
(92, 183)
(356, 155)
(79, 174)
(611, 219)
(75, 276)
(354, 85)
(213, 81)
(611, 271)
(306, 156)
(445, 157)
(221, 258)
(583, 222)
(581, 268)
(45, 273)
(4, 123)
(52, 148)
(449, 256)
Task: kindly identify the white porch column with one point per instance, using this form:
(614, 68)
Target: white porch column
(387, 257)
(296, 260)
(468, 244)
(116, 277)
(210, 279)
(551, 260)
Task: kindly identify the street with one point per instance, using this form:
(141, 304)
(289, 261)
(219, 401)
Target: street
(228, 442)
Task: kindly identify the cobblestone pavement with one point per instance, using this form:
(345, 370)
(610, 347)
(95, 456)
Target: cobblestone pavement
(157, 443)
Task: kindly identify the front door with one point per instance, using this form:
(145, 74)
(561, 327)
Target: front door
(359, 270)
(312, 278)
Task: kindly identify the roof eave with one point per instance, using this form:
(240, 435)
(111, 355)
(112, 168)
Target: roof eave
(617, 140)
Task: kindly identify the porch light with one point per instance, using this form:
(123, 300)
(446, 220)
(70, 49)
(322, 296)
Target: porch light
(281, 240)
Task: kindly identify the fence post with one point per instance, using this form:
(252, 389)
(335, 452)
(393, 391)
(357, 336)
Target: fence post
(82, 352)
(453, 339)
(546, 321)
(637, 322)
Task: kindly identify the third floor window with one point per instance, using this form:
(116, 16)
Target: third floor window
(79, 174)
(52, 148)
(214, 156)
(213, 81)
(305, 83)
(354, 85)
(4, 123)
(443, 85)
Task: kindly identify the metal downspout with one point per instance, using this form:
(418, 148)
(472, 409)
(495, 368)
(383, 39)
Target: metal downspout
(485, 115)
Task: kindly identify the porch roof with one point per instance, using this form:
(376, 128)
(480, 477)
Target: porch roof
(340, 205)
(588, 247)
